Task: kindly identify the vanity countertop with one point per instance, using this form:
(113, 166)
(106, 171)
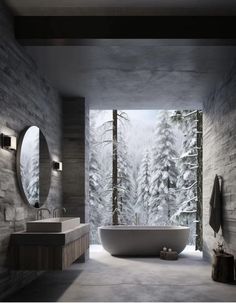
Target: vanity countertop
(49, 238)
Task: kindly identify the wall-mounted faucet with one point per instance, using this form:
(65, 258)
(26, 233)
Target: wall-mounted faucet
(61, 209)
(39, 213)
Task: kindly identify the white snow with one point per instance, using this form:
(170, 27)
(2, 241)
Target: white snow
(157, 164)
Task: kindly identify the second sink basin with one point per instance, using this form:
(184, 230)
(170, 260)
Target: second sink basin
(53, 224)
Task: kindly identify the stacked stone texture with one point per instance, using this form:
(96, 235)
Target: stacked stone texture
(219, 157)
(75, 157)
(25, 99)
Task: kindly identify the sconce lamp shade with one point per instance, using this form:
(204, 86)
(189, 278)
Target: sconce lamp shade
(8, 142)
(57, 166)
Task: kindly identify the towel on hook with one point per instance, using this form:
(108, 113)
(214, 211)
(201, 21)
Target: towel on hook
(216, 206)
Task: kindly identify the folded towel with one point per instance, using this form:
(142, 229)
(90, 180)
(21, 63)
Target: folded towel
(216, 206)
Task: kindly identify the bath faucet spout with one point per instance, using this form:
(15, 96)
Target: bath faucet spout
(39, 214)
(61, 209)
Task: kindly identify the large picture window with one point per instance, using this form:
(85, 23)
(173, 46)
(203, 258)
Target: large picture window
(144, 169)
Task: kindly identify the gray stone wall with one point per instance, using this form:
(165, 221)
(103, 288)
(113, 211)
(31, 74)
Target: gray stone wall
(219, 157)
(75, 157)
(25, 99)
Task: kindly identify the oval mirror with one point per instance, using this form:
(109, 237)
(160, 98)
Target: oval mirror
(34, 166)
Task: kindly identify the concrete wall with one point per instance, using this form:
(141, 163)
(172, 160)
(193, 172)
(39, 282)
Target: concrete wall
(75, 157)
(219, 157)
(25, 99)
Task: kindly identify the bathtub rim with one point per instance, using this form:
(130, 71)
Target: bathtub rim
(144, 227)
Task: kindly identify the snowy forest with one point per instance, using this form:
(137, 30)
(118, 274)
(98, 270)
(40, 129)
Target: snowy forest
(145, 169)
(29, 165)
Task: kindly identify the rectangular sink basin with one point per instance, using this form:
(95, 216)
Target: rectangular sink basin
(53, 224)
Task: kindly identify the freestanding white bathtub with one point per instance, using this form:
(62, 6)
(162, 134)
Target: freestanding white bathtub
(121, 240)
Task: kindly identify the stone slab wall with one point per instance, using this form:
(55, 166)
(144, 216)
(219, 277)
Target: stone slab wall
(25, 99)
(75, 157)
(219, 157)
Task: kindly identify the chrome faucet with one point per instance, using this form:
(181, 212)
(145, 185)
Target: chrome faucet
(61, 209)
(40, 213)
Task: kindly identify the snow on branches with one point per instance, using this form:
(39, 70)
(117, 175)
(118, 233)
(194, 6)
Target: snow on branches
(156, 182)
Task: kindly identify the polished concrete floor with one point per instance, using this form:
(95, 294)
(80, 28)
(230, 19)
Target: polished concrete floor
(106, 278)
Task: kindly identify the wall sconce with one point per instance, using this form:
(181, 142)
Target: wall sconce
(8, 142)
(57, 166)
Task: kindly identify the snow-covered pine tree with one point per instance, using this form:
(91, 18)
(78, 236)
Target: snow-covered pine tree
(30, 169)
(125, 184)
(164, 172)
(104, 136)
(142, 206)
(187, 179)
(96, 203)
(118, 183)
(106, 194)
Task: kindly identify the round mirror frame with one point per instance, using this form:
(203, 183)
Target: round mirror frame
(18, 168)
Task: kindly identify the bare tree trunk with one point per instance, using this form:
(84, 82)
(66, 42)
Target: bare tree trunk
(168, 197)
(114, 170)
(199, 183)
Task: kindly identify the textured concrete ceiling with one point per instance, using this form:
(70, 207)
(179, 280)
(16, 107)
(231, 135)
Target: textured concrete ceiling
(135, 77)
(122, 7)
